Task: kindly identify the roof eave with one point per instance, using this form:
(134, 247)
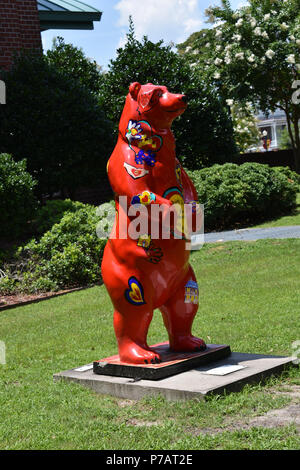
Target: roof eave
(68, 20)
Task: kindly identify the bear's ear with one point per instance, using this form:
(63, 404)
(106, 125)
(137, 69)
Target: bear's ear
(134, 89)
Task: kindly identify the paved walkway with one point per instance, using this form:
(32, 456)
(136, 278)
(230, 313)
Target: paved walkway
(249, 234)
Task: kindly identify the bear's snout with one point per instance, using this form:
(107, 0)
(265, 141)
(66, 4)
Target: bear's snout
(175, 103)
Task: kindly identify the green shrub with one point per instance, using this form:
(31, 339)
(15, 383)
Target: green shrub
(52, 212)
(72, 61)
(8, 285)
(33, 284)
(243, 194)
(73, 266)
(290, 174)
(17, 200)
(68, 255)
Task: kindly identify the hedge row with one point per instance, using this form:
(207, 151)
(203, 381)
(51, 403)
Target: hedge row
(67, 251)
(67, 255)
(244, 194)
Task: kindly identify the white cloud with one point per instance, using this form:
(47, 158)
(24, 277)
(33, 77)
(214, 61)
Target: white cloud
(122, 40)
(170, 20)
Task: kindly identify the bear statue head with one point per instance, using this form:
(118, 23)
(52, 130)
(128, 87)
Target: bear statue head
(153, 103)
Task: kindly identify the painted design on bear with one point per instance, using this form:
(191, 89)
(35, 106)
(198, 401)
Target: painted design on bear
(196, 209)
(191, 293)
(144, 241)
(168, 194)
(135, 293)
(178, 174)
(133, 131)
(145, 198)
(139, 134)
(154, 253)
(148, 157)
(134, 172)
(176, 197)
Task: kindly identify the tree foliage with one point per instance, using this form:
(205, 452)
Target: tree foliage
(56, 123)
(245, 125)
(204, 132)
(72, 61)
(17, 200)
(253, 54)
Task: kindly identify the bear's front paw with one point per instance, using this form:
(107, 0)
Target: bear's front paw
(135, 354)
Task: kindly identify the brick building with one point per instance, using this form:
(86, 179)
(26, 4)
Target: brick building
(21, 23)
(19, 28)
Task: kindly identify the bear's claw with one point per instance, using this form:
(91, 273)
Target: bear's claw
(135, 354)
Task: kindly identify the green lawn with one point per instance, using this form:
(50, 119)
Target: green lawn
(292, 219)
(249, 299)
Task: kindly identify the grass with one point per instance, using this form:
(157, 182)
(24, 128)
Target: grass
(292, 219)
(249, 299)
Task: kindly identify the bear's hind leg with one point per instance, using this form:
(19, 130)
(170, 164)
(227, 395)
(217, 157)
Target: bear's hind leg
(131, 328)
(178, 315)
(131, 294)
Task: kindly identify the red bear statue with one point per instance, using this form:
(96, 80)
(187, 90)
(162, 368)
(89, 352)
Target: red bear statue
(147, 273)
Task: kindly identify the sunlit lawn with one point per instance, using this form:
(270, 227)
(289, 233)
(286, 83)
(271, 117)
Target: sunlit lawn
(249, 298)
(292, 219)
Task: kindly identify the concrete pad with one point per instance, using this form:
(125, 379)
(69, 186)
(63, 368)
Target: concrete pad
(193, 384)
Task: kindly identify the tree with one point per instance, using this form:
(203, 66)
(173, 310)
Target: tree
(196, 49)
(72, 61)
(17, 200)
(284, 140)
(245, 125)
(204, 132)
(254, 55)
(57, 124)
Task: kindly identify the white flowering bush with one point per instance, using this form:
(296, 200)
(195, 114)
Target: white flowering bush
(245, 125)
(259, 57)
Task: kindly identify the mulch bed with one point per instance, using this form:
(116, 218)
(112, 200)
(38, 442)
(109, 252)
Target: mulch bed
(12, 301)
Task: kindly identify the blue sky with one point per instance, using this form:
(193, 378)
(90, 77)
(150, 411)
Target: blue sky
(170, 20)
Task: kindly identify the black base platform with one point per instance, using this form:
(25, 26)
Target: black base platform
(172, 362)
